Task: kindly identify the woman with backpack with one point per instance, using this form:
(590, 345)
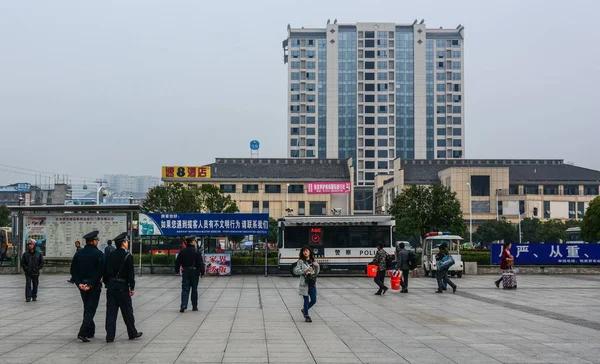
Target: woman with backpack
(381, 261)
(308, 269)
(442, 273)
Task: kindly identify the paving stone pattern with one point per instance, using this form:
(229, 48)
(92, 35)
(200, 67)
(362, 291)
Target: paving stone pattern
(256, 319)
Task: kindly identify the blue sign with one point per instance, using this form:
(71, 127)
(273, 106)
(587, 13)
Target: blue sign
(254, 145)
(549, 254)
(175, 224)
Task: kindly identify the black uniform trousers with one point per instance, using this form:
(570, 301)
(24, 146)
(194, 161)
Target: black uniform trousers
(31, 292)
(117, 297)
(404, 279)
(379, 278)
(90, 305)
(189, 279)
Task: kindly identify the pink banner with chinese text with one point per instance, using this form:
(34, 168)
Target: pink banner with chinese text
(328, 187)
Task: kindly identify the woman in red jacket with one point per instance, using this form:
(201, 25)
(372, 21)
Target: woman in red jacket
(506, 261)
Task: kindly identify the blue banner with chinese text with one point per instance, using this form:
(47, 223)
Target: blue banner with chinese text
(175, 224)
(549, 254)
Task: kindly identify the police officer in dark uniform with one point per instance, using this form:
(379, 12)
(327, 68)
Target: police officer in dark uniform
(120, 284)
(87, 269)
(193, 267)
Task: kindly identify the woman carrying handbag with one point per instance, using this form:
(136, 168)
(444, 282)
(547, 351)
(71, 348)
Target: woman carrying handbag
(308, 269)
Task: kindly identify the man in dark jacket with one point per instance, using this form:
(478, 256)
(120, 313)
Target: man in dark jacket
(31, 262)
(119, 279)
(380, 261)
(193, 267)
(87, 269)
(109, 248)
(403, 258)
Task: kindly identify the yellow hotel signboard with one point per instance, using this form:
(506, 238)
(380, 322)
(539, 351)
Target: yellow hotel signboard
(185, 172)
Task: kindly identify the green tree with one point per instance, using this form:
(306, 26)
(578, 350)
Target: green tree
(4, 216)
(272, 238)
(421, 209)
(530, 230)
(493, 230)
(590, 226)
(177, 197)
(552, 231)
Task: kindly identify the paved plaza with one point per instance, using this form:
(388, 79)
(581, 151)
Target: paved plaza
(245, 319)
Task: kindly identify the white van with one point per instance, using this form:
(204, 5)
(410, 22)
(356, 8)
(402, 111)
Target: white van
(431, 249)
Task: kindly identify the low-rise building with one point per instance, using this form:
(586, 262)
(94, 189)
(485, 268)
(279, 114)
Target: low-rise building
(543, 189)
(279, 187)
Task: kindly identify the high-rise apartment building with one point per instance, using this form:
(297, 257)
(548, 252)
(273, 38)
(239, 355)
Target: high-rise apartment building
(375, 92)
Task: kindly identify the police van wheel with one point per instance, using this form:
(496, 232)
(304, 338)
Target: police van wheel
(459, 274)
(426, 273)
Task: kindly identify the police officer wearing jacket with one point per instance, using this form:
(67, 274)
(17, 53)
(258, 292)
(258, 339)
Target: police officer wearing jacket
(31, 262)
(120, 284)
(87, 269)
(193, 267)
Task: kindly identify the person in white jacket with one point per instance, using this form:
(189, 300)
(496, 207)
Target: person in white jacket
(308, 269)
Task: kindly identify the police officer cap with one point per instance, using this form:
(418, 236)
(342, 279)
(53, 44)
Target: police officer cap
(120, 237)
(91, 236)
(190, 239)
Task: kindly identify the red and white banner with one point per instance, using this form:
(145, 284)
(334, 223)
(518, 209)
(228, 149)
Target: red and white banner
(328, 187)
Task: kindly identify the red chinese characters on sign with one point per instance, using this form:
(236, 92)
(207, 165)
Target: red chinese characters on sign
(191, 172)
(170, 171)
(218, 263)
(328, 187)
(202, 172)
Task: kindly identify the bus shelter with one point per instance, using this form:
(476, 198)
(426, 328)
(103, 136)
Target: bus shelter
(55, 228)
(169, 226)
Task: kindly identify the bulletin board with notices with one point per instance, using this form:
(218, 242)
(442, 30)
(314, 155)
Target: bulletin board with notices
(55, 235)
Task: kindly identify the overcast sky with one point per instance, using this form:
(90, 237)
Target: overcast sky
(88, 88)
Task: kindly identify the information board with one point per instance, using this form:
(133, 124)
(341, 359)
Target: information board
(55, 235)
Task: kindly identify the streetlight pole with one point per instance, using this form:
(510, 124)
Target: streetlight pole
(498, 203)
(470, 213)
(520, 235)
(287, 203)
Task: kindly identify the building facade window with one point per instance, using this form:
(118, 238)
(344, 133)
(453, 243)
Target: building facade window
(551, 190)
(571, 190)
(265, 207)
(301, 208)
(572, 212)
(591, 190)
(296, 189)
(531, 189)
(272, 188)
(546, 209)
(255, 207)
(580, 210)
(228, 188)
(249, 188)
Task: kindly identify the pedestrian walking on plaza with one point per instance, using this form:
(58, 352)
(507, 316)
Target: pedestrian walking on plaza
(119, 278)
(380, 260)
(308, 269)
(87, 269)
(193, 267)
(442, 273)
(506, 263)
(109, 248)
(403, 259)
(32, 262)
